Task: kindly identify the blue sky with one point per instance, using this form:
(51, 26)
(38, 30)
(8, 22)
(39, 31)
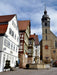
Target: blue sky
(31, 10)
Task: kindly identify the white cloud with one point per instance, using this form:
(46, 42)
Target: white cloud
(31, 10)
(53, 21)
(6, 9)
(53, 16)
(37, 31)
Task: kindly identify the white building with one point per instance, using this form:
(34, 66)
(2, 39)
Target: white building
(9, 40)
(36, 50)
(37, 53)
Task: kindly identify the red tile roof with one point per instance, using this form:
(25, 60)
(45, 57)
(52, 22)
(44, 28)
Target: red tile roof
(35, 37)
(36, 40)
(6, 18)
(32, 36)
(3, 28)
(3, 24)
(23, 25)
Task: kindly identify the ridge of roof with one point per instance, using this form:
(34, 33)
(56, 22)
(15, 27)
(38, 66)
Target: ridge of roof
(6, 18)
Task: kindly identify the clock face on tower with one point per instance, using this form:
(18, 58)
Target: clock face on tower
(46, 46)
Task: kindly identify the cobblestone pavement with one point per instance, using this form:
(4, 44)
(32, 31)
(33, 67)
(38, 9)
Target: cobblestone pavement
(52, 71)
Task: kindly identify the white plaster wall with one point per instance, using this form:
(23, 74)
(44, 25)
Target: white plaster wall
(9, 50)
(34, 52)
(8, 53)
(38, 50)
(0, 61)
(1, 42)
(1, 50)
(16, 31)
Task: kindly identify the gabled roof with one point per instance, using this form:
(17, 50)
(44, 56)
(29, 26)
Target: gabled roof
(6, 18)
(32, 36)
(23, 25)
(36, 40)
(4, 23)
(35, 37)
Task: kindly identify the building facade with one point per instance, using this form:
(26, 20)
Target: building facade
(34, 49)
(30, 49)
(9, 40)
(24, 29)
(49, 41)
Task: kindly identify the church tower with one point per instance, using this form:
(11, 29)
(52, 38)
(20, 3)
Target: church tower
(46, 55)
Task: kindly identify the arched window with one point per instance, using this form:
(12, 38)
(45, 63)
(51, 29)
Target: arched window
(46, 31)
(45, 24)
(55, 44)
(46, 37)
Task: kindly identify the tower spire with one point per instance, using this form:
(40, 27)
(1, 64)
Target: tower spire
(45, 12)
(45, 5)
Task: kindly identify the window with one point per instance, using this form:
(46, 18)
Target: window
(9, 30)
(46, 31)
(29, 51)
(12, 33)
(45, 24)
(46, 37)
(36, 46)
(46, 58)
(14, 24)
(11, 46)
(55, 44)
(15, 36)
(30, 42)
(5, 42)
(54, 51)
(16, 49)
(8, 44)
